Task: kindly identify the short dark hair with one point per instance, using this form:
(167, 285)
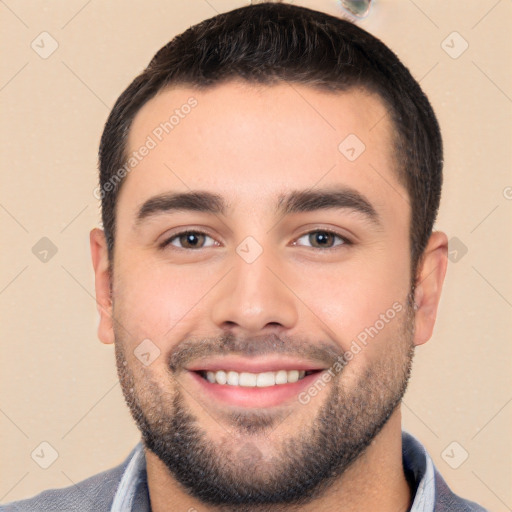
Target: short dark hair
(269, 43)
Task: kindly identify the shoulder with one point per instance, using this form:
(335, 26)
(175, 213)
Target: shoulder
(96, 493)
(448, 501)
(435, 493)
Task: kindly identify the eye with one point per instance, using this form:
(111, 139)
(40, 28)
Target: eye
(189, 240)
(323, 239)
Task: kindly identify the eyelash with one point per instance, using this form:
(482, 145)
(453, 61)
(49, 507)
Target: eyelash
(345, 240)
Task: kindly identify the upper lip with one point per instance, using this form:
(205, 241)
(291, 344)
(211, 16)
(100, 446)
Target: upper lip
(254, 365)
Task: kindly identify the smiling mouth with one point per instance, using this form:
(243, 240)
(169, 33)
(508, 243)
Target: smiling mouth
(254, 380)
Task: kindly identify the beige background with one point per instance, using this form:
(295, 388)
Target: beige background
(58, 383)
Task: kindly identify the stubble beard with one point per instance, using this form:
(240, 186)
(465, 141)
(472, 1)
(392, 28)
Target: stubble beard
(234, 476)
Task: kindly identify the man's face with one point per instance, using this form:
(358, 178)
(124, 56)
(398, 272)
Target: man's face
(272, 282)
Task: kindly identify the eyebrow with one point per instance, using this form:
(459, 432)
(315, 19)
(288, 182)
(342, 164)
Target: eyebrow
(186, 201)
(324, 199)
(296, 201)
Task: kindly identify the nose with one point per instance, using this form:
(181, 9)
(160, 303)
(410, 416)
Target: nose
(254, 298)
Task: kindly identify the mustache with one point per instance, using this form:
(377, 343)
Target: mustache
(263, 345)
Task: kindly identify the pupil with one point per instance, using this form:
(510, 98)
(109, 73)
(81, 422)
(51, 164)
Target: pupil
(322, 237)
(191, 239)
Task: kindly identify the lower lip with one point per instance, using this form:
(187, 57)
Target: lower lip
(269, 396)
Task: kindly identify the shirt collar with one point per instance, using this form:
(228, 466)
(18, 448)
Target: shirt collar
(417, 461)
(133, 477)
(133, 485)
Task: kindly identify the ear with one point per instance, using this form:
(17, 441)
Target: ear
(102, 278)
(429, 282)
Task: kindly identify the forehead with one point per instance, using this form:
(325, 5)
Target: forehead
(247, 141)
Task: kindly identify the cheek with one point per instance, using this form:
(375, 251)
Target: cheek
(158, 302)
(350, 299)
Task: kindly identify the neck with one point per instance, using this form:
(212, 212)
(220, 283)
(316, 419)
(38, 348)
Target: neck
(375, 481)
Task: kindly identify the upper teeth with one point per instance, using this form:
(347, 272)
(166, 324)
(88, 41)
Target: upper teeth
(252, 380)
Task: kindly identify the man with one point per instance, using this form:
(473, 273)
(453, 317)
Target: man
(269, 186)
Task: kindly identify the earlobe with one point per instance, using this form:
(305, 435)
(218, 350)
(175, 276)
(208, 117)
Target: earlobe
(100, 262)
(429, 285)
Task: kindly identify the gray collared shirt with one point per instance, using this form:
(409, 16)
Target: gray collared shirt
(125, 488)
(416, 460)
